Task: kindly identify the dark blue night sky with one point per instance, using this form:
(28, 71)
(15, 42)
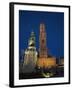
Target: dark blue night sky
(54, 22)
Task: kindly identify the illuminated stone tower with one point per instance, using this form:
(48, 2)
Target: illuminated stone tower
(42, 42)
(30, 57)
(44, 61)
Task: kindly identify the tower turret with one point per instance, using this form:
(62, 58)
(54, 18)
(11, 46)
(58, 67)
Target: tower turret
(31, 41)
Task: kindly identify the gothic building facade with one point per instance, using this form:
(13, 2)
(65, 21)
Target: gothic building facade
(44, 61)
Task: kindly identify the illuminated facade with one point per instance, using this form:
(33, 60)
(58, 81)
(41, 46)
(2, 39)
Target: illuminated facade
(42, 41)
(30, 57)
(44, 61)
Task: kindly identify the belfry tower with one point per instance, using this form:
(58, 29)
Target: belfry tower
(30, 57)
(42, 41)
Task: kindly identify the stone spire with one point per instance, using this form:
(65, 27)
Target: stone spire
(42, 42)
